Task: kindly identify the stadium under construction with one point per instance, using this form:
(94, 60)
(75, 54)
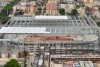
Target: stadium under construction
(58, 37)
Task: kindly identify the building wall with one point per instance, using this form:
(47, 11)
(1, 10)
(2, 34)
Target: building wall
(50, 1)
(89, 1)
(67, 0)
(81, 11)
(51, 9)
(50, 12)
(63, 6)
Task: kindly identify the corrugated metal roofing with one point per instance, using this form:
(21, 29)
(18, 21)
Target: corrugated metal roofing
(59, 30)
(51, 17)
(23, 30)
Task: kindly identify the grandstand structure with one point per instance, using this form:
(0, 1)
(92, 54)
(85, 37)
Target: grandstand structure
(58, 36)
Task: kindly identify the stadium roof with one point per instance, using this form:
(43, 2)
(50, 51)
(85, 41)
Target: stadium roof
(50, 24)
(49, 30)
(51, 17)
(50, 21)
(23, 30)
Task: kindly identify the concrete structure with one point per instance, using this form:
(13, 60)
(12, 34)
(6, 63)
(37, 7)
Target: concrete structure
(51, 37)
(81, 11)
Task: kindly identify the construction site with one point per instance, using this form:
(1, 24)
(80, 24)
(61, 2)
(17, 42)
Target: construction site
(54, 41)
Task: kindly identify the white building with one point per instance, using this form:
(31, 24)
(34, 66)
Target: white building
(68, 6)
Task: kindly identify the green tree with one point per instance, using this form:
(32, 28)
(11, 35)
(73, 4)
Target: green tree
(74, 12)
(3, 20)
(12, 63)
(6, 11)
(87, 10)
(98, 23)
(62, 11)
(78, 6)
(25, 54)
(99, 8)
(25, 62)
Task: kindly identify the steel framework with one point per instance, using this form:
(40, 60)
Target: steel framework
(17, 28)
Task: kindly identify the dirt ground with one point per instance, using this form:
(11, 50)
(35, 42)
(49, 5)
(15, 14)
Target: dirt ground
(1, 25)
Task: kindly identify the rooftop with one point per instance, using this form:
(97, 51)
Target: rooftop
(50, 24)
(50, 21)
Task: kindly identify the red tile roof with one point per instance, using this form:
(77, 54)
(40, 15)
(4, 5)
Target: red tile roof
(51, 6)
(35, 9)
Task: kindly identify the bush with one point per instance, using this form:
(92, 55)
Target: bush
(12, 63)
(62, 11)
(4, 19)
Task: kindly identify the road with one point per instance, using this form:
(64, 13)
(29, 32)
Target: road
(30, 61)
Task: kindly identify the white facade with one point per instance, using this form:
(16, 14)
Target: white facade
(64, 6)
(68, 6)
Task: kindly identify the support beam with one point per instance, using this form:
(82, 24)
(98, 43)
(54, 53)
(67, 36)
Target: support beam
(84, 21)
(76, 21)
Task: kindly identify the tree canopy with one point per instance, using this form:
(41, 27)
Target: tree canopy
(12, 63)
(98, 23)
(87, 10)
(4, 14)
(78, 6)
(74, 12)
(62, 11)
